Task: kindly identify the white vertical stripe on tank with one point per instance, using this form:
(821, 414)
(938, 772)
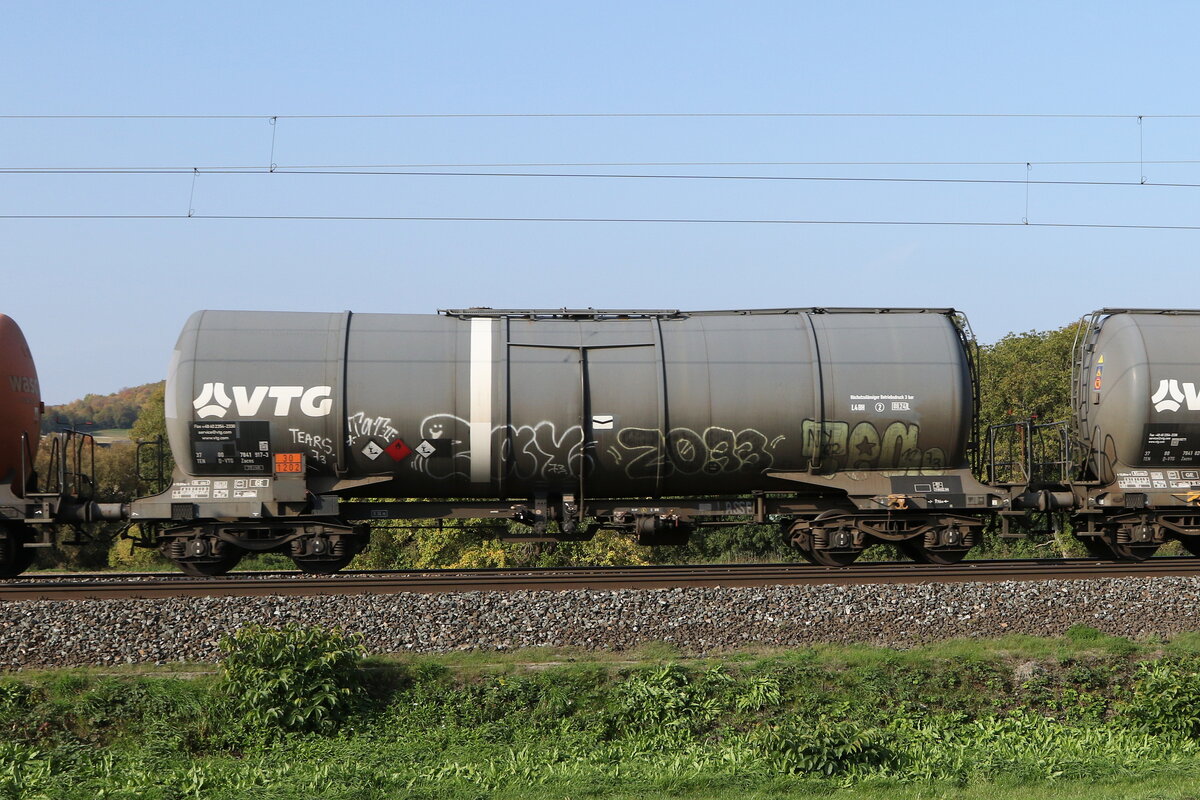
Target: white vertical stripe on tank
(481, 400)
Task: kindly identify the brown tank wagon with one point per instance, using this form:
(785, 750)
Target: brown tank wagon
(33, 505)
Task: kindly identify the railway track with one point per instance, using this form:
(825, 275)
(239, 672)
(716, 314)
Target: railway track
(152, 585)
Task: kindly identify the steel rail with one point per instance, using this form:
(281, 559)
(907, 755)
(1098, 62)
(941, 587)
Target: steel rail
(150, 585)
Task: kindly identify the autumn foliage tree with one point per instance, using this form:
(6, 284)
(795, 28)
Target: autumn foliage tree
(100, 411)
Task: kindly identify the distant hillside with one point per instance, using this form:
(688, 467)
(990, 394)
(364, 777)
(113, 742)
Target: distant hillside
(100, 411)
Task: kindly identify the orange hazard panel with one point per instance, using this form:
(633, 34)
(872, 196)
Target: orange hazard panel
(289, 462)
(20, 399)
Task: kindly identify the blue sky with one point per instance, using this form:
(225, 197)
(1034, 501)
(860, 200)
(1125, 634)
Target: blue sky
(101, 301)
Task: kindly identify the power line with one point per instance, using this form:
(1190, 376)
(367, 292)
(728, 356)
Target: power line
(649, 220)
(518, 164)
(515, 164)
(583, 175)
(607, 115)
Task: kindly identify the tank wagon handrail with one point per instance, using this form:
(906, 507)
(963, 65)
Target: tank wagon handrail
(1086, 331)
(971, 349)
(650, 313)
(28, 463)
(559, 313)
(821, 310)
(1162, 312)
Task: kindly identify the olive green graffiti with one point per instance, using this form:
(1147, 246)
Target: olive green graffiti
(864, 447)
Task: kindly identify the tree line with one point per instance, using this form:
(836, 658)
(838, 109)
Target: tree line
(94, 412)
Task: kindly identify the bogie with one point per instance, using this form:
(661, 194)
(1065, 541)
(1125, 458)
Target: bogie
(15, 557)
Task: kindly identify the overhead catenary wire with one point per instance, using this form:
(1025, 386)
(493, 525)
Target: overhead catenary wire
(277, 170)
(610, 115)
(632, 220)
(470, 170)
(539, 164)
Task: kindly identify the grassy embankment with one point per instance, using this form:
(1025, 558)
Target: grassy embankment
(1082, 716)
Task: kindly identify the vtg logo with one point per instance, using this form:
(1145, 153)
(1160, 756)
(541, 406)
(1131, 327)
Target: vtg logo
(1169, 396)
(213, 401)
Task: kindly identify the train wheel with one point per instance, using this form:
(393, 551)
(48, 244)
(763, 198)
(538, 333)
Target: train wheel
(210, 569)
(1102, 548)
(1125, 552)
(831, 558)
(322, 566)
(1098, 548)
(15, 558)
(800, 535)
(928, 555)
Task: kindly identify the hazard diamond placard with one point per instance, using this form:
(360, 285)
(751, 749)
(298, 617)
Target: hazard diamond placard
(398, 450)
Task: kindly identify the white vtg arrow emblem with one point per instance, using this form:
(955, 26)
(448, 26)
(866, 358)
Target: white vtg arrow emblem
(1171, 395)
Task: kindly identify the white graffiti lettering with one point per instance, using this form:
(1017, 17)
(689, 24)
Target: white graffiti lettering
(714, 451)
(543, 451)
(359, 425)
(537, 452)
(320, 448)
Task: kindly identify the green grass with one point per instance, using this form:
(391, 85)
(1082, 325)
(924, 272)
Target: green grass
(1083, 715)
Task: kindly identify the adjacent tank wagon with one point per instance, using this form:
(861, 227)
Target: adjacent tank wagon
(20, 431)
(33, 503)
(1137, 408)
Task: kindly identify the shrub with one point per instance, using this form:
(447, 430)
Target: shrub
(824, 746)
(671, 699)
(292, 678)
(1166, 698)
(125, 555)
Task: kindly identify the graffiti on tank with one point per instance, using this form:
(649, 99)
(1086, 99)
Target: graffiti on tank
(647, 453)
(533, 452)
(545, 452)
(320, 448)
(865, 447)
(359, 425)
(438, 428)
(542, 452)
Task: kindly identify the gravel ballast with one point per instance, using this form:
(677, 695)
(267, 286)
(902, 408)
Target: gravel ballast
(51, 633)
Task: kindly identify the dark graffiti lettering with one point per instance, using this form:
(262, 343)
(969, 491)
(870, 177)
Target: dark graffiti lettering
(865, 447)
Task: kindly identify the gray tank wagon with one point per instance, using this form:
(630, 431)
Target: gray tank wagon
(1136, 393)
(846, 426)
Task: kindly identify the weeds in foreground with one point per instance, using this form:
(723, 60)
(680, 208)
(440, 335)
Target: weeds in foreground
(295, 715)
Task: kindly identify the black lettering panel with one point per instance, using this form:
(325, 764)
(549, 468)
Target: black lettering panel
(231, 448)
(939, 491)
(1171, 445)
